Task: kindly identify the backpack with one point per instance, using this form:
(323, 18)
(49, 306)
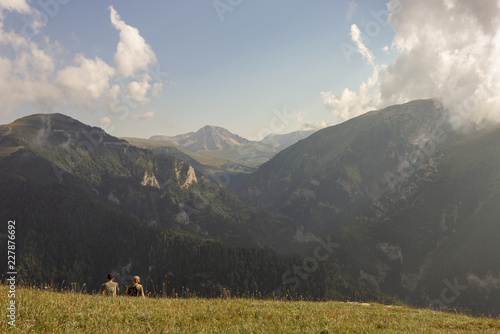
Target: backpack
(132, 291)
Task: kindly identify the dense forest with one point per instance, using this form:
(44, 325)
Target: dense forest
(78, 245)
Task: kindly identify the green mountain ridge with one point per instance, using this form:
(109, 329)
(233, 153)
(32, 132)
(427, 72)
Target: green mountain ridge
(155, 188)
(86, 203)
(217, 143)
(214, 151)
(213, 164)
(410, 201)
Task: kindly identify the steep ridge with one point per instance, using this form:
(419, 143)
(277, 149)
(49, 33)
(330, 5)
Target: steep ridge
(155, 188)
(85, 203)
(411, 202)
(282, 141)
(331, 175)
(208, 138)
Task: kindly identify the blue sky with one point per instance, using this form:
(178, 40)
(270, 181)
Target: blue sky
(232, 66)
(252, 67)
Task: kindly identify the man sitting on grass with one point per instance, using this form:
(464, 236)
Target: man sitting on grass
(135, 289)
(109, 288)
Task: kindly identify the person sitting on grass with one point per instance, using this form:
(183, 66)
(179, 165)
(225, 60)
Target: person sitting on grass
(135, 289)
(110, 288)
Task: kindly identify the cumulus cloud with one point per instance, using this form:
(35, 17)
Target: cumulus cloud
(20, 6)
(314, 125)
(86, 81)
(448, 49)
(31, 26)
(138, 90)
(37, 71)
(25, 77)
(133, 54)
(350, 103)
(142, 117)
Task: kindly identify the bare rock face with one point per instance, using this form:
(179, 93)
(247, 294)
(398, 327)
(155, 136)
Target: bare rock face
(208, 138)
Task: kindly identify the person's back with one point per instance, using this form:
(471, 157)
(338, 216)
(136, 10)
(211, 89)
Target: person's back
(109, 288)
(135, 289)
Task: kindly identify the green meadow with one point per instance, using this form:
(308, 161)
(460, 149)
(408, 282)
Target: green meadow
(39, 311)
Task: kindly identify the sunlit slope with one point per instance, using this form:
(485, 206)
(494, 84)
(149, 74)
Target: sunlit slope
(86, 204)
(412, 203)
(336, 172)
(44, 311)
(157, 189)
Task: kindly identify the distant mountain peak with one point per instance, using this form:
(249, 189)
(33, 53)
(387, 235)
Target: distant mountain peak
(282, 141)
(208, 138)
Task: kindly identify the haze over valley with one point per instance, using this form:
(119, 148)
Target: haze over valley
(335, 151)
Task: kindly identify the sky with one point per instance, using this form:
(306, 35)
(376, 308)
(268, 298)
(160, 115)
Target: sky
(146, 68)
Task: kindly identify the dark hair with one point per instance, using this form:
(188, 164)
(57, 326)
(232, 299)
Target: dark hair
(110, 276)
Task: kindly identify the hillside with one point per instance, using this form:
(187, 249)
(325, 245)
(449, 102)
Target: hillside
(412, 203)
(86, 203)
(158, 190)
(218, 143)
(282, 141)
(45, 311)
(326, 178)
(446, 235)
(231, 174)
(214, 144)
(215, 151)
(208, 138)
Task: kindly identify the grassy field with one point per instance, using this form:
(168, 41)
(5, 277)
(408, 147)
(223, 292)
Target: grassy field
(51, 312)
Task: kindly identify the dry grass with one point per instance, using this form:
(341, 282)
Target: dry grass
(51, 312)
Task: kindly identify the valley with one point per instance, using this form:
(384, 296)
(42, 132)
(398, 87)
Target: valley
(404, 204)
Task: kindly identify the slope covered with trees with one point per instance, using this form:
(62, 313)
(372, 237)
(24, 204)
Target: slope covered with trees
(86, 204)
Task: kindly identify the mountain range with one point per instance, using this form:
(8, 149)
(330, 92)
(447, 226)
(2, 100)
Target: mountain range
(208, 138)
(214, 138)
(281, 141)
(215, 151)
(411, 202)
(394, 202)
(86, 203)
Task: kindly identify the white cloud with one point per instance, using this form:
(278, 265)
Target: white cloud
(314, 125)
(20, 6)
(86, 81)
(352, 6)
(349, 103)
(35, 71)
(138, 90)
(133, 54)
(142, 117)
(105, 121)
(362, 49)
(114, 92)
(446, 48)
(449, 51)
(24, 77)
(157, 88)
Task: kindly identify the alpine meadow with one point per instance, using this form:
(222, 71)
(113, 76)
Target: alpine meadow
(250, 167)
